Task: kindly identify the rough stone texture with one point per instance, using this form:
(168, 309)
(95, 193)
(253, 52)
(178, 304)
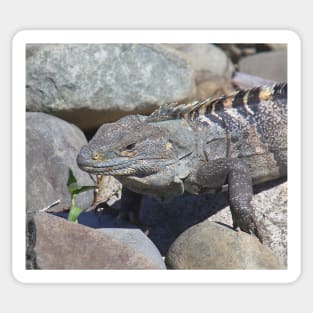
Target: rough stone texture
(96, 83)
(272, 206)
(137, 240)
(206, 60)
(269, 65)
(213, 69)
(60, 244)
(51, 148)
(211, 246)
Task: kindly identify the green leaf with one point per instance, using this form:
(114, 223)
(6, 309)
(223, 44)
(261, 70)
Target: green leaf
(71, 182)
(73, 214)
(71, 177)
(80, 189)
(75, 189)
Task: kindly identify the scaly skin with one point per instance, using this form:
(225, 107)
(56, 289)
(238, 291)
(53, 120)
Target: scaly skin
(238, 139)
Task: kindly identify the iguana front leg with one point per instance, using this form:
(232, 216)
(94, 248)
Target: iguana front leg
(240, 197)
(213, 174)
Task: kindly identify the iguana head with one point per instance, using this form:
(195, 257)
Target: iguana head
(131, 147)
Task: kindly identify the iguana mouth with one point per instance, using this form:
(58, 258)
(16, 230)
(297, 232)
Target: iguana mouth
(107, 170)
(120, 166)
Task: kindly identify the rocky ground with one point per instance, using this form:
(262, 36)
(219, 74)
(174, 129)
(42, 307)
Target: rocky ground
(71, 90)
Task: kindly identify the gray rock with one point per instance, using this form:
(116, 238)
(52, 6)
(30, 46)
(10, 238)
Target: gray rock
(207, 60)
(51, 149)
(271, 206)
(269, 65)
(138, 241)
(96, 83)
(60, 244)
(211, 246)
(213, 69)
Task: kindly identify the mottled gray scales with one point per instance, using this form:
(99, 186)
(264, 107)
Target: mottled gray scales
(270, 131)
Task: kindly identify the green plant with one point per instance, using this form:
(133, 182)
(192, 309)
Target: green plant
(74, 188)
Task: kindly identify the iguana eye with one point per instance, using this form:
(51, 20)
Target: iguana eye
(131, 146)
(129, 151)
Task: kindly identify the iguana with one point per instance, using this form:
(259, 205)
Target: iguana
(238, 139)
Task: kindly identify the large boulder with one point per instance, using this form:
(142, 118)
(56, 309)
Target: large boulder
(211, 246)
(90, 84)
(207, 60)
(135, 239)
(51, 149)
(55, 243)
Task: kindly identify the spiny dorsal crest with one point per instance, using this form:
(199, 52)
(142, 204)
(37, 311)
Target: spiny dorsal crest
(243, 97)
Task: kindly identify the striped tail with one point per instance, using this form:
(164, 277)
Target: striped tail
(243, 98)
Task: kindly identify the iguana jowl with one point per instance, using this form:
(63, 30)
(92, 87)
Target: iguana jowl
(238, 139)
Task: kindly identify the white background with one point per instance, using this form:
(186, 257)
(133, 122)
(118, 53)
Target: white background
(17, 15)
(140, 36)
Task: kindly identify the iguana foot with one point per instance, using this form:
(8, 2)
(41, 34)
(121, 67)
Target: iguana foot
(247, 223)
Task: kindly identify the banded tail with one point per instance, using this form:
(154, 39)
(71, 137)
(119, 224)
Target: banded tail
(243, 98)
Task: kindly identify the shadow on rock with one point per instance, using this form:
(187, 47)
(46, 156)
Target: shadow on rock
(164, 221)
